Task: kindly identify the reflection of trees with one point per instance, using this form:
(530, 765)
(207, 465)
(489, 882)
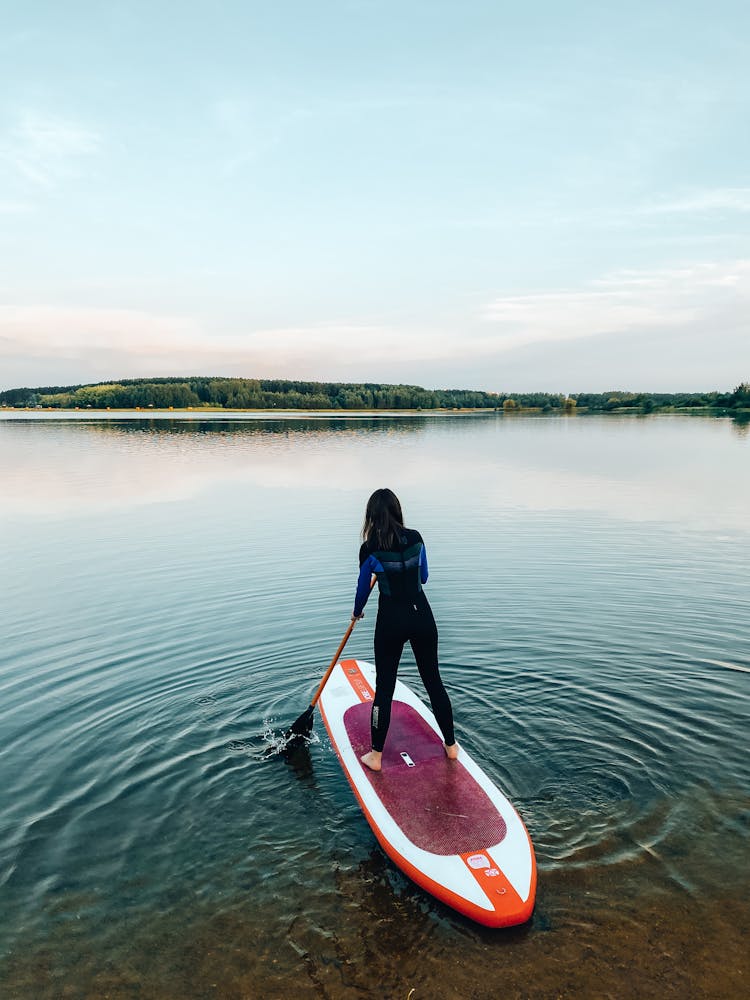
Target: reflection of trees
(169, 426)
(741, 424)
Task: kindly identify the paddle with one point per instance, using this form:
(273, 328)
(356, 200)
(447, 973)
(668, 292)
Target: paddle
(302, 726)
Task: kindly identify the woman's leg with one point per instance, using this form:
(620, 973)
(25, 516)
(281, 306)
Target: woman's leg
(387, 656)
(388, 649)
(424, 643)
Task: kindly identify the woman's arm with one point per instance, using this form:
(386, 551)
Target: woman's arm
(369, 566)
(423, 569)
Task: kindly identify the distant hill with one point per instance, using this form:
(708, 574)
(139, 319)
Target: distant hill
(268, 394)
(245, 393)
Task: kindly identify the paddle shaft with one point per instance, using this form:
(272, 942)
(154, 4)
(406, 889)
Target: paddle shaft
(336, 655)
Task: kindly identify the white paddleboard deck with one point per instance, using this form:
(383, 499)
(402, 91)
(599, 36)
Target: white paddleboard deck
(443, 822)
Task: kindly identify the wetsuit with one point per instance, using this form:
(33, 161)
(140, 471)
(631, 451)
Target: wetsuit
(404, 614)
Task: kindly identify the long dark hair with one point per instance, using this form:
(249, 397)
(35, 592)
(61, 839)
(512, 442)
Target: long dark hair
(384, 521)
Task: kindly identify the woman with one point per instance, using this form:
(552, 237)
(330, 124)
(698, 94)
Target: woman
(397, 557)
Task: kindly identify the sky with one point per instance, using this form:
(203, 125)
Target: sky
(511, 197)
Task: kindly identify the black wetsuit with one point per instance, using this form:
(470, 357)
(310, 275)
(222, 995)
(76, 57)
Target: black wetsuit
(404, 615)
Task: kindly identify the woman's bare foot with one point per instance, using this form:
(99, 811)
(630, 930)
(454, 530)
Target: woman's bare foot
(373, 760)
(451, 752)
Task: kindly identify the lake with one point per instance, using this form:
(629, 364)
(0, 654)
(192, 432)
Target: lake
(174, 587)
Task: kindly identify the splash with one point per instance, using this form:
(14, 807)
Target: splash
(277, 741)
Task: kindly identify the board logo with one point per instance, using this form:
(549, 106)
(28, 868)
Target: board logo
(359, 684)
(478, 861)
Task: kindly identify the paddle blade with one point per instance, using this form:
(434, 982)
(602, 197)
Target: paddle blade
(303, 725)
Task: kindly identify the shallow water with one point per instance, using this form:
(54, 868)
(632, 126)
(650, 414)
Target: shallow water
(175, 587)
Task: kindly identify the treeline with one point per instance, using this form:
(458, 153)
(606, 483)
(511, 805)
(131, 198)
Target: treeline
(648, 402)
(267, 394)
(250, 394)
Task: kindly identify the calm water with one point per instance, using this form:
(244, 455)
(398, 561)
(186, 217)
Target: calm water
(172, 591)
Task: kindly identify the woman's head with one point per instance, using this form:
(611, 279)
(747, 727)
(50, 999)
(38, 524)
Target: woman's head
(383, 519)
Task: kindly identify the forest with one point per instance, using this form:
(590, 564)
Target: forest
(267, 394)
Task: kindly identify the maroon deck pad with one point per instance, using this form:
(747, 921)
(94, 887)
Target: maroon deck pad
(437, 803)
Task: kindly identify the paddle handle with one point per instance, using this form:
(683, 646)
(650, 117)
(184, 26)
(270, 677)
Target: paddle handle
(336, 655)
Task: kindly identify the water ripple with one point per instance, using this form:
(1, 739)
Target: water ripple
(159, 639)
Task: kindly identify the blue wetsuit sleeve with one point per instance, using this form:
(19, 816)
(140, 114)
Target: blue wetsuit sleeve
(368, 567)
(423, 570)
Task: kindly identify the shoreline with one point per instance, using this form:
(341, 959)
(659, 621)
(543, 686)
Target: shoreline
(215, 411)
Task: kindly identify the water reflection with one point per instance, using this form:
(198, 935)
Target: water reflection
(261, 426)
(660, 469)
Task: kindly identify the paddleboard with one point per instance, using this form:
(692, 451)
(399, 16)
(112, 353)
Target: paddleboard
(443, 822)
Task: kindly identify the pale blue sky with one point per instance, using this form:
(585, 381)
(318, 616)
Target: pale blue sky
(488, 195)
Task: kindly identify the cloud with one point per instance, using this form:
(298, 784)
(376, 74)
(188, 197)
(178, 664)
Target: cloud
(702, 202)
(626, 302)
(116, 342)
(43, 149)
(680, 315)
(61, 330)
